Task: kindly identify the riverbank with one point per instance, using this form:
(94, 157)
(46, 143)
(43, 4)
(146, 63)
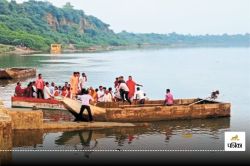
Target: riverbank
(8, 49)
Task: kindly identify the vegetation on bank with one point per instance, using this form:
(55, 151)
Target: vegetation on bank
(6, 48)
(37, 24)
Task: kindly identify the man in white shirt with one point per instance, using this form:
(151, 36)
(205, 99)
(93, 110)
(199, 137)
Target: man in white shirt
(85, 99)
(107, 96)
(100, 94)
(124, 90)
(139, 95)
(46, 91)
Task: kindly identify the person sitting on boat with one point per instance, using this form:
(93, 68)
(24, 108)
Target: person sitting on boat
(111, 93)
(169, 98)
(214, 95)
(131, 86)
(65, 92)
(146, 98)
(93, 93)
(107, 96)
(85, 99)
(117, 95)
(139, 95)
(56, 92)
(40, 86)
(19, 91)
(100, 94)
(47, 94)
(124, 91)
(28, 90)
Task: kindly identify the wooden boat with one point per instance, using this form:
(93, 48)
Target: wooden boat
(17, 73)
(34, 103)
(153, 110)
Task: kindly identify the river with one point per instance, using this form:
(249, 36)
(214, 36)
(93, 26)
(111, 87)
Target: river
(188, 72)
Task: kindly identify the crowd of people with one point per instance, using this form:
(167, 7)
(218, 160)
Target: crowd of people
(123, 90)
(77, 88)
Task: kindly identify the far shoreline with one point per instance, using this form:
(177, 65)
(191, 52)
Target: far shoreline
(99, 48)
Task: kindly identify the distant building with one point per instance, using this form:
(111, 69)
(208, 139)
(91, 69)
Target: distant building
(55, 48)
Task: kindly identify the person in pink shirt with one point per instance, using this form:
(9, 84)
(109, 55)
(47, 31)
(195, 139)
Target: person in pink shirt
(169, 98)
(40, 86)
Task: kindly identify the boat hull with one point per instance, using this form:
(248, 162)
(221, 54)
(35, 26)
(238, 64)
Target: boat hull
(156, 111)
(17, 73)
(34, 103)
(120, 112)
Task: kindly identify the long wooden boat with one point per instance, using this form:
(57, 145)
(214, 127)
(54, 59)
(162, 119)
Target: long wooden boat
(17, 73)
(153, 110)
(34, 103)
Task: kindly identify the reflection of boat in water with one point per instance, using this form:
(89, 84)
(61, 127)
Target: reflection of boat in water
(123, 134)
(16, 73)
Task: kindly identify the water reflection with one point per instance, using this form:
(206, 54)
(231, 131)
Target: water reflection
(122, 136)
(158, 135)
(80, 140)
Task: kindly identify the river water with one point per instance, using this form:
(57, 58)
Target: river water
(188, 72)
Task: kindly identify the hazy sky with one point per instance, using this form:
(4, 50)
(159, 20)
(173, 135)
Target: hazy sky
(165, 16)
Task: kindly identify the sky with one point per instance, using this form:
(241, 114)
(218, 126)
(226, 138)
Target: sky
(196, 17)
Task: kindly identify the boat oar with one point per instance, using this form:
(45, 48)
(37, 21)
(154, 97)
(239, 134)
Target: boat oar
(213, 96)
(198, 101)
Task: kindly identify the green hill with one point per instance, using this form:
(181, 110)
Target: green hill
(37, 24)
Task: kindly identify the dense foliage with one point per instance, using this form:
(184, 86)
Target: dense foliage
(175, 40)
(37, 24)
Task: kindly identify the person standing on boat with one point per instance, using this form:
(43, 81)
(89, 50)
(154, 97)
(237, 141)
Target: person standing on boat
(34, 94)
(40, 86)
(19, 91)
(116, 82)
(52, 88)
(83, 81)
(73, 85)
(47, 94)
(124, 91)
(85, 99)
(28, 90)
(131, 86)
(169, 98)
